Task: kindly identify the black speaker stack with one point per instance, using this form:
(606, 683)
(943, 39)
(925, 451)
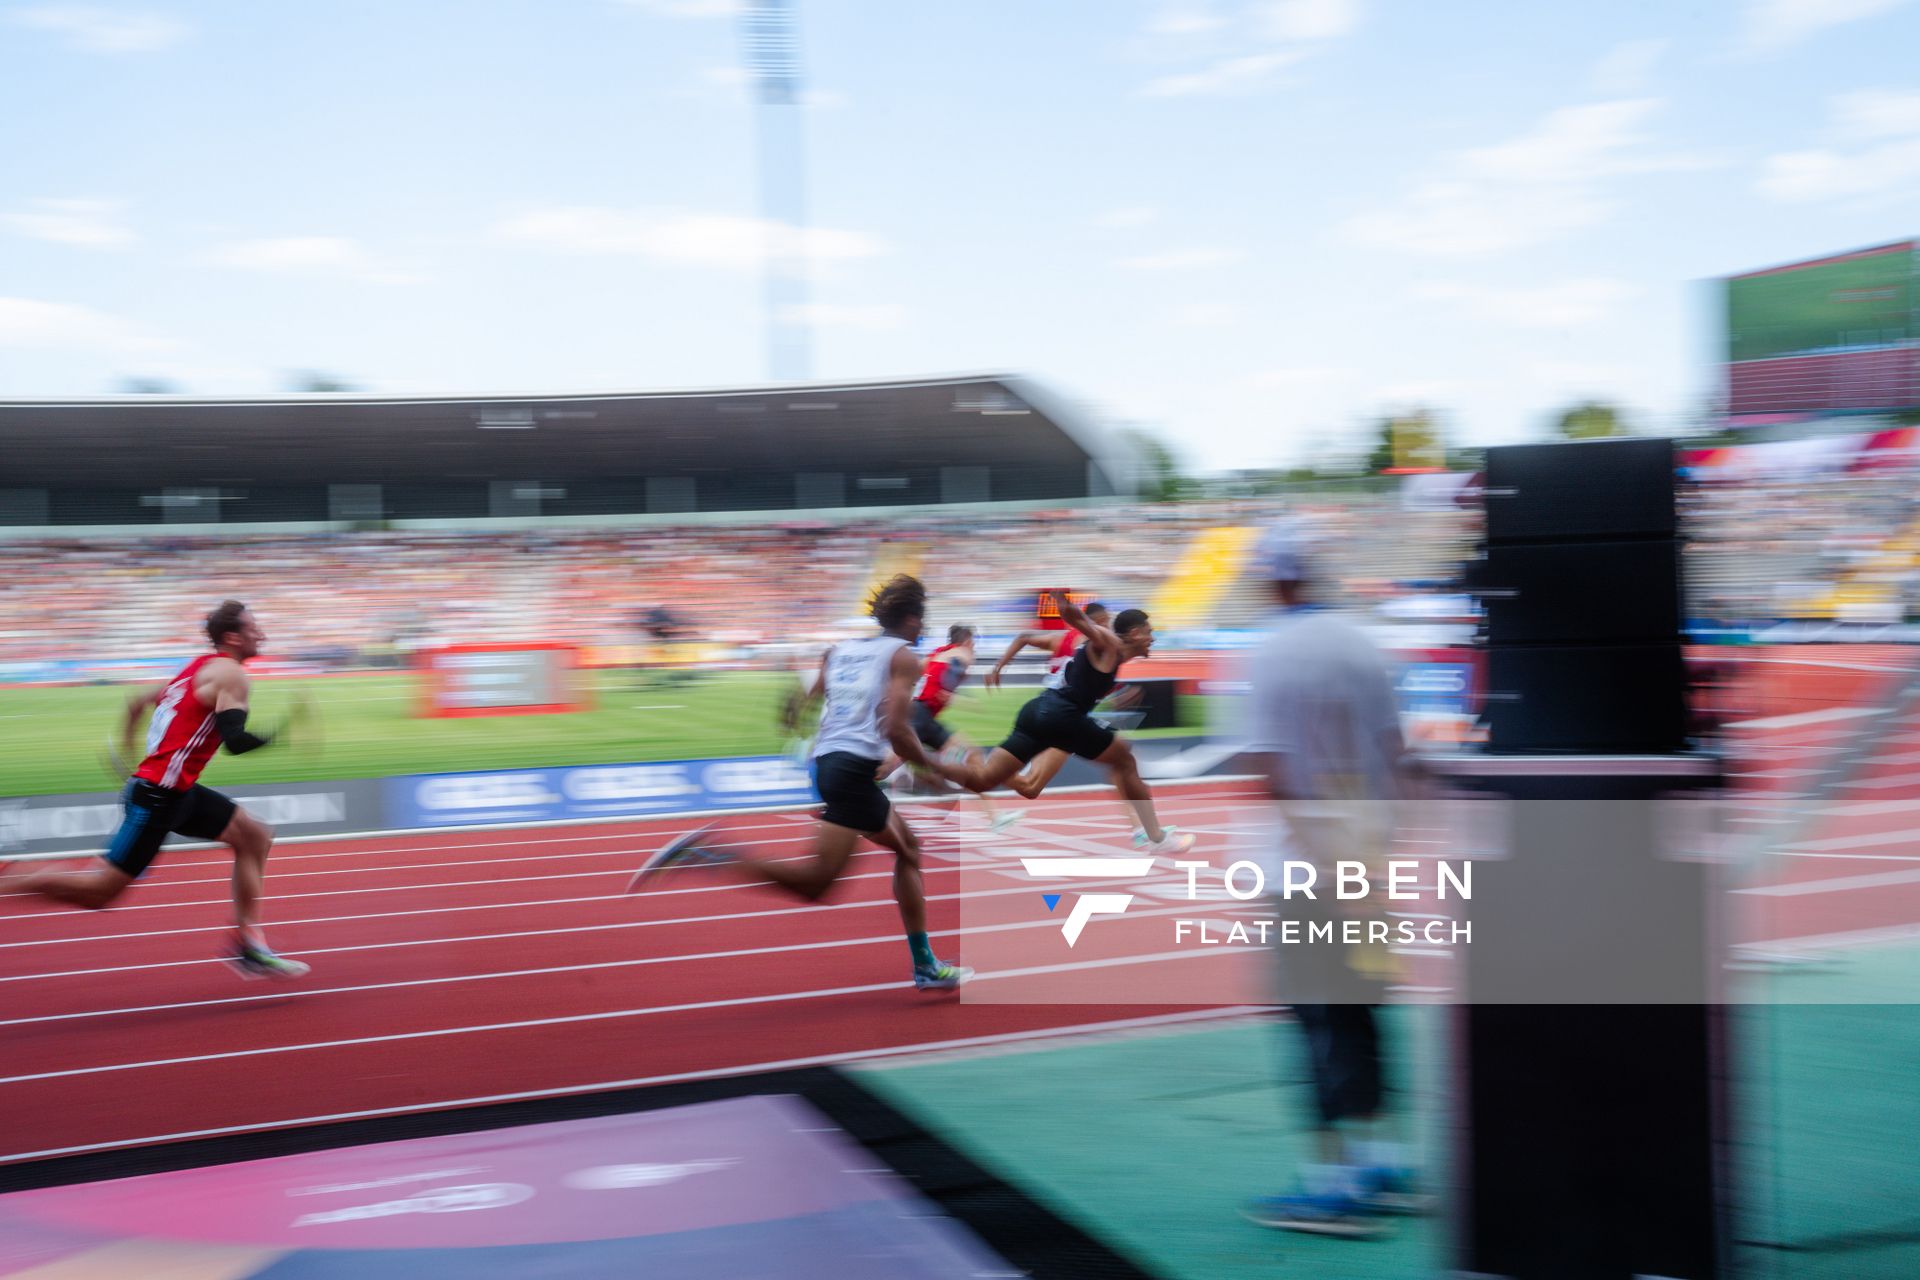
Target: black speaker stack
(1581, 584)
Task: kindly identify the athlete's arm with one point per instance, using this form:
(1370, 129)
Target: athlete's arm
(901, 677)
(137, 706)
(1097, 635)
(230, 688)
(1035, 639)
(802, 699)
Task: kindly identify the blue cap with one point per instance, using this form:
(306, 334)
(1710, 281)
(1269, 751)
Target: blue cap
(1284, 553)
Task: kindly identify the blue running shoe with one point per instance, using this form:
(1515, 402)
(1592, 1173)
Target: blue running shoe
(681, 849)
(1387, 1190)
(251, 958)
(1341, 1216)
(941, 977)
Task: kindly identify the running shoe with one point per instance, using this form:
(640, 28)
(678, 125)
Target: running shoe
(257, 960)
(1342, 1216)
(1006, 818)
(1173, 841)
(681, 849)
(1393, 1191)
(941, 977)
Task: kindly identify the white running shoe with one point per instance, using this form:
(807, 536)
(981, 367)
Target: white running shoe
(1172, 843)
(681, 849)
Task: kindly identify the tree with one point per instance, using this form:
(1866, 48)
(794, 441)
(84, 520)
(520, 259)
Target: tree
(141, 385)
(314, 382)
(1162, 478)
(1407, 441)
(1591, 420)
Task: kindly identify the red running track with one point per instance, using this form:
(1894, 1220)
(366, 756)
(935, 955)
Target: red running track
(470, 967)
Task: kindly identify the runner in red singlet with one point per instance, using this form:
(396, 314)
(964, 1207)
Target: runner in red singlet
(194, 713)
(946, 668)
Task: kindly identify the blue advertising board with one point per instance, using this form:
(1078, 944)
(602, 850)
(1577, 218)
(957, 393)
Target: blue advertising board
(595, 791)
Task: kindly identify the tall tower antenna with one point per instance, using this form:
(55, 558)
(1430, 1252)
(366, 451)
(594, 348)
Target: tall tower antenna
(771, 47)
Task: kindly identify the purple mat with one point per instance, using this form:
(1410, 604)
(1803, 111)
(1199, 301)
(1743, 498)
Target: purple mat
(744, 1187)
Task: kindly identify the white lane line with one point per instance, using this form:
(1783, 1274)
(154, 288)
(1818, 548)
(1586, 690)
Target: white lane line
(161, 880)
(1798, 718)
(1229, 1012)
(1849, 939)
(282, 994)
(936, 843)
(1840, 884)
(388, 945)
(608, 1015)
(691, 817)
(448, 910)
(1868, 808)
(1906, 835)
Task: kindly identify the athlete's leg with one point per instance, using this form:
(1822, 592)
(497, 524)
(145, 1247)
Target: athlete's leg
(1033, 779)
(93, 886)
(910, 893)
(983, 772)
(809, 879)
(251, 840)
(909, 886)
(145, 821)
(1125, 771)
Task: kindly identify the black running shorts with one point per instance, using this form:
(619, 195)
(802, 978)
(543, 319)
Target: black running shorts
(852, 794)
(927, 727)
(1052, 721)
(154, 812)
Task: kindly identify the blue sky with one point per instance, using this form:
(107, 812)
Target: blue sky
(1251, 225)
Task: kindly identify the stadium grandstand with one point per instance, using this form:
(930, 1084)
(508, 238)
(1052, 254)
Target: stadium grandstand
(353, 460)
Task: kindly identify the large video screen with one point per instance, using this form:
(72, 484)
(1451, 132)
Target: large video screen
(1847, 303)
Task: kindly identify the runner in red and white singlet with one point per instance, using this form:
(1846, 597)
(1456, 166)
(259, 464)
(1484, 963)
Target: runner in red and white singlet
(194, 714)
(180, 737)
(946, 668)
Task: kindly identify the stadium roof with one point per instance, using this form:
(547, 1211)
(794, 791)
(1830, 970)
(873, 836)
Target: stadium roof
(153, 441)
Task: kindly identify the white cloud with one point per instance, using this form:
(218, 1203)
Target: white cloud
(1185, 22)
(1875, 135)
(688, 8)
(1302, 378)
(831, 315)
(1626, 68)
(309, 255)
(33, 324)
(84, 224)
(1223, 76)
(1204, 315)
(1267, 36)
(1561, 305)
(1538, 186)
(1304, 20)
(1184, 259)
(101, 30)
(689, 239)
(1773, 25)
(1128, 217)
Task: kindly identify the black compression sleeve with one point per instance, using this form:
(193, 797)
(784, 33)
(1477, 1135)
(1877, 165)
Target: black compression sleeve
(232, 724)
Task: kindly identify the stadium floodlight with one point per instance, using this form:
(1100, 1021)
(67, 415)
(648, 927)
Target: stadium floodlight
(771, 49)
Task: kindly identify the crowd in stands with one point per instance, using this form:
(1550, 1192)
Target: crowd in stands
(359, 598)
(371, 597)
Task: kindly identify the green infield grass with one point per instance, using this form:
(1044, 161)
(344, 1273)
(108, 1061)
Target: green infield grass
(54, 740)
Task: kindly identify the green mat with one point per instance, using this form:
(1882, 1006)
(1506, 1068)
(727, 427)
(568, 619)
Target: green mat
(1152, 1141)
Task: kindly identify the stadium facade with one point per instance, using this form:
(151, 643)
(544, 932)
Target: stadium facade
(361, 460)
(1837, 335)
